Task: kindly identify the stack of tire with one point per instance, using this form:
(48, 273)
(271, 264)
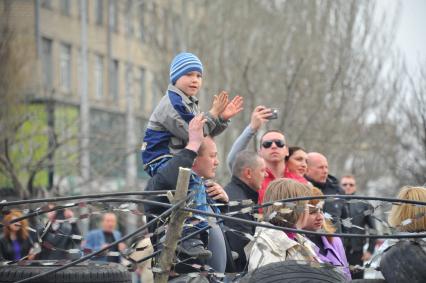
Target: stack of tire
(89, 272)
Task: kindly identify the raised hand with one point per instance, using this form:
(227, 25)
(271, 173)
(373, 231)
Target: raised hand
(220, 102)
(195, 132)
(259, 117)
(233, 108)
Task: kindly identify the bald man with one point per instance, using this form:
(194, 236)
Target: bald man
(317, 174)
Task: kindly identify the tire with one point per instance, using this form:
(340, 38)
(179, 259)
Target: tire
(89, 272)
(404, 262)
(369, 281)
(189, 279)
(294, 272)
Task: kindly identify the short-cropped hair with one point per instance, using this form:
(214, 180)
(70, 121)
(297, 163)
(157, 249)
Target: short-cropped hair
(404, 211)
(245, 159)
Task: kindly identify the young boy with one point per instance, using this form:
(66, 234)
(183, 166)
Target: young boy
(167, 134)
(167, 130)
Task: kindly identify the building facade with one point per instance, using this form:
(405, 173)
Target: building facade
(119, 54)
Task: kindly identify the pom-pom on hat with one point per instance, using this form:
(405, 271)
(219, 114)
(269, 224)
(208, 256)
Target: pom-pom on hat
(182, 64)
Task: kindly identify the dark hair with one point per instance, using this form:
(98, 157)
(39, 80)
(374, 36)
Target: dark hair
(293, 149)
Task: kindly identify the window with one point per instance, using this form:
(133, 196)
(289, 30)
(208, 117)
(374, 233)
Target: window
(65, 67)
(46, 57)
(142, 90)
(46, 4)
(113, 24)
(129, 18)
(99, 76)
(99, 10)
(65, 7)
(86, 2)
(141, 22)
(129, 80)
(114, 80)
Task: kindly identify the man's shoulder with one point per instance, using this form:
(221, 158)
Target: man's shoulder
(333, 184)
(235, 189)
(94, 232)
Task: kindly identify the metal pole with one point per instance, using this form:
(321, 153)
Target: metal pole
(84, 100)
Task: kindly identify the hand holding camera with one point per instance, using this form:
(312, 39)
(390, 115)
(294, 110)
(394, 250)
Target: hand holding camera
(261, 115)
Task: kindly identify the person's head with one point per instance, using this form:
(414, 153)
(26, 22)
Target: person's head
(296, 160)
(317, 167)
(19, 228)
(316, 219)
(250, 168)
(348, 183)
(273, 147)
(206, 162)
(417, 213)
(282, 189)
(186, 72)
(109, 222)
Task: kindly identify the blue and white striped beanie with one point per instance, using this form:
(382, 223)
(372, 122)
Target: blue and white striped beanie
(184, 63)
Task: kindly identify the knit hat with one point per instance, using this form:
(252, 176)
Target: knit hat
(184, 63)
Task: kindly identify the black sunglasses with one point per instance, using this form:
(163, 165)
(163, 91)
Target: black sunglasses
(268, 144)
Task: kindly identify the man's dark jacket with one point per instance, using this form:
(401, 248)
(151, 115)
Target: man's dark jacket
(336, 208)
(166, 177)
(356, 211)
(237, 190)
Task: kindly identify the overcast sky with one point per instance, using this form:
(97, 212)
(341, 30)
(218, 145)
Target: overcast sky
(411, 33)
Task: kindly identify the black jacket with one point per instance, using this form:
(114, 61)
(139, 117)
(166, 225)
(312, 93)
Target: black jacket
(356, 212)
(166, 178)
(56, 240)
(6, 248)
(336, 208)
(237, 190)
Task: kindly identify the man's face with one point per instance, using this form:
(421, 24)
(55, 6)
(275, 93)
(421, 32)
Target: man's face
(257, 175)
(270, 150)
(190, 83)
(206, 162)
(317, 168)
(349, 185)
(109, 222)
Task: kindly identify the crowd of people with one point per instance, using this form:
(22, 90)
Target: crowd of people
(276, 171)
(179, 135)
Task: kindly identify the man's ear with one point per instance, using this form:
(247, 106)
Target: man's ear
(247, 173)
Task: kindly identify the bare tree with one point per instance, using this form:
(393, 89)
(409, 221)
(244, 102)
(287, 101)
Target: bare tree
(411, 123)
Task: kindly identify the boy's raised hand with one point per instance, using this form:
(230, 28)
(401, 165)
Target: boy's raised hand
(233, 108)
(220, 102)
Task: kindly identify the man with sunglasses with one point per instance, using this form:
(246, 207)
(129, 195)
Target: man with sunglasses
(358, 211)
(273, 148)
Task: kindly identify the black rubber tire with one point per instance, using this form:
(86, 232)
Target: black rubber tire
(404, 262)
(85, 273)
(369, 280)
(189, 279)
(294, 272)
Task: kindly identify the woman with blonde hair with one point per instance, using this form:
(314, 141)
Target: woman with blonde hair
(400, 213)
(270, 245)
(329, 249)
(15, 243)
(401, 260)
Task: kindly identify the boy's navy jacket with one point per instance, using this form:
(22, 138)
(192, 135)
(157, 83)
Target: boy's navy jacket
(167, 129)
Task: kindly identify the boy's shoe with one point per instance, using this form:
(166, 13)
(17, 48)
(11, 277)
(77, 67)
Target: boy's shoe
(194, 248)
